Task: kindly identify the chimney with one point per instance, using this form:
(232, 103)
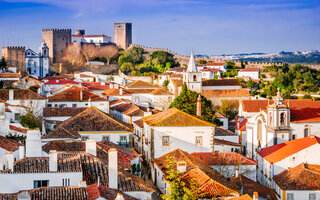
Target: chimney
(89, 102)
(81, 94)
(103, 83)
(255, 196)
(91, 146)
(33, 143)
(21, 152)
(39, 90)
(10, 159)
(237, 172)
(199, 106)
(113, 168)
(53, 161)
(83, 184)
(181, 166)
(11, 94)
(120, 91)
(108, 107)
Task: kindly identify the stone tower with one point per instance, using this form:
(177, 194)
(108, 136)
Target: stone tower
(122, 34)
(192, 77)
(57, 41)
(15, 56)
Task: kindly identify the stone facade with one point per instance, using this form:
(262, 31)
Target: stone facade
(14, 55)
(122, 34)
(57, 40)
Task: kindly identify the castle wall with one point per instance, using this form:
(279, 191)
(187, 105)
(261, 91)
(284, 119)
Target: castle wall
(57, 40)
(15, 56)
(122, 34)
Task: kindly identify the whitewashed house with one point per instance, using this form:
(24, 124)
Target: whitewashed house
(9, 149)
(251, 72)
(275, 159)
(51, 84)
(91, 39)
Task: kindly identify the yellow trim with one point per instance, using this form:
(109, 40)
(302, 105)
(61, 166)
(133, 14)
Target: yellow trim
(284, 195)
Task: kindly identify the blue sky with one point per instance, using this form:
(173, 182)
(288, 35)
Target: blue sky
(205, 26)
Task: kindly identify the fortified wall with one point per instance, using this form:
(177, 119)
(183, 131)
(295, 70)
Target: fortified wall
(15, 56)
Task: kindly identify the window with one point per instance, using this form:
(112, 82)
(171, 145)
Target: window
(198, 140)
(49, 105)
(74, 105)
(290, 196)
(306, 131)
(106, 137)
(40, 183)
(194, 78)
(165, 140)
(84, 138)
(123, 138)
(282, 116)
(66, 182)
(16, 116)
(294, 137)
(312, 196)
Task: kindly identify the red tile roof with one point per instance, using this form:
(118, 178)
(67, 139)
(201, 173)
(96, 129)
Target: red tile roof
(15, 128)
(174, 117)
(96, 85)
(140, 85)
(20, 94)
(161, 91)
(74, 94)
(220, 131)
(132, 109)
(139, 123)
(62, 112)
(226, 142)
(115, 92)
(90, 119)
(224, 158)
(301, 177)
(10, 75)
(60, 82)
(210, 70)
(221, 82)
(177, 69)
(209, 181)
(119, 101)
(242, 125)
(225, 93)
(281, 151)
(9, 144)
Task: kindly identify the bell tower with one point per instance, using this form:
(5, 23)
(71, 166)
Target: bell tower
(192, 77)
(278, 123)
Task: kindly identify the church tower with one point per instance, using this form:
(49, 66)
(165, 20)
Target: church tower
(44, 60)
(192, 77)
(278, 123)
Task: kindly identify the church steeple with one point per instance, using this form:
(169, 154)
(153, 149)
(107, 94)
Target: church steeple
(192, 67)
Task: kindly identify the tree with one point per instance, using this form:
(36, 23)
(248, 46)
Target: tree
(73, 54)
(30, 121)
(108, 52)
(229, 108)
(251, 84)
(89, 51)
(135, 53)
(242, 64)
(126, 67)
(3, 64)
(165, 83)
(187, 102)
(179, 188)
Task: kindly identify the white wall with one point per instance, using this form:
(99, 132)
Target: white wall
(300, 194)
(11, 182)
(248, 171)
(226, 148)
(98, 135)
(298, 129)
(140, 195)
(224, 87)
(252, 75)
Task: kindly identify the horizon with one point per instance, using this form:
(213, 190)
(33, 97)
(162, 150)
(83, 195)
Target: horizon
(205, 27)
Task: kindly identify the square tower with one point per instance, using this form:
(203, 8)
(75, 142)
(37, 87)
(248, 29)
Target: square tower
(122, 34)
(14, 56)
(57, 41)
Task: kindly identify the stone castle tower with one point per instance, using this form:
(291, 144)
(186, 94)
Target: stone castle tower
(15, 56)
(122, 34)
(57, 41)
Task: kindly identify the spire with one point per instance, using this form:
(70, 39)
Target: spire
(279, 99)
(192, 67)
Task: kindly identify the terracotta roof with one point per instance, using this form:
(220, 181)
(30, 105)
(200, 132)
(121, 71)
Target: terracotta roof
(10, 75)
(220, 131)
(250, 69)
(19, 129)
(221, 82)
(125, 155)
(9, 144)
(301, 177)
(20, 94)
(224, 158)
(131, 109)
(83, 36)
(242, 197)
(60, 77)
(140, 91)
(242, 125)
(62, 112)
(96, 85)
(220, 115)
(74, 94)
(119, 101)
(210, 70)
(225, 142)
(249, 187)
(225, 93)
(177, 69)
(278, 152)
(92, 169)
(140, 85)
(301, 110)
(115, 92)
(174, 117)
(90, 119)
(161, 91)
(60, 82)
(177, 83)
(208, 180)
(139, 123)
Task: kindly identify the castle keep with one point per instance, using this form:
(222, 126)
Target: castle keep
(122, 34)
(57, 41)
(15, 56)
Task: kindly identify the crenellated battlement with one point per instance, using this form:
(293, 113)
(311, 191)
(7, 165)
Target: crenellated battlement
(67, 30)
(15, 47)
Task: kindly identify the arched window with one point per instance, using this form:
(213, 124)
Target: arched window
(194, 78)
(259, 131)
(45, 52)
(306, 131)
(282, 118)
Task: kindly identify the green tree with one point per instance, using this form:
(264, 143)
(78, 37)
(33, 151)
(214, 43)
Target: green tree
(162, 56)
(230, 64)
(126, 67)
(30, 121)
(187, 102)
(251, 84)
(242, 64)
(179, 188)
(229, 108)
(165, 83)
(135, 53)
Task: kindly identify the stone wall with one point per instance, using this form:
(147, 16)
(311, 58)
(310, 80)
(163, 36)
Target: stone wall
(57, 40)
(15, 56)
(122, 34)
